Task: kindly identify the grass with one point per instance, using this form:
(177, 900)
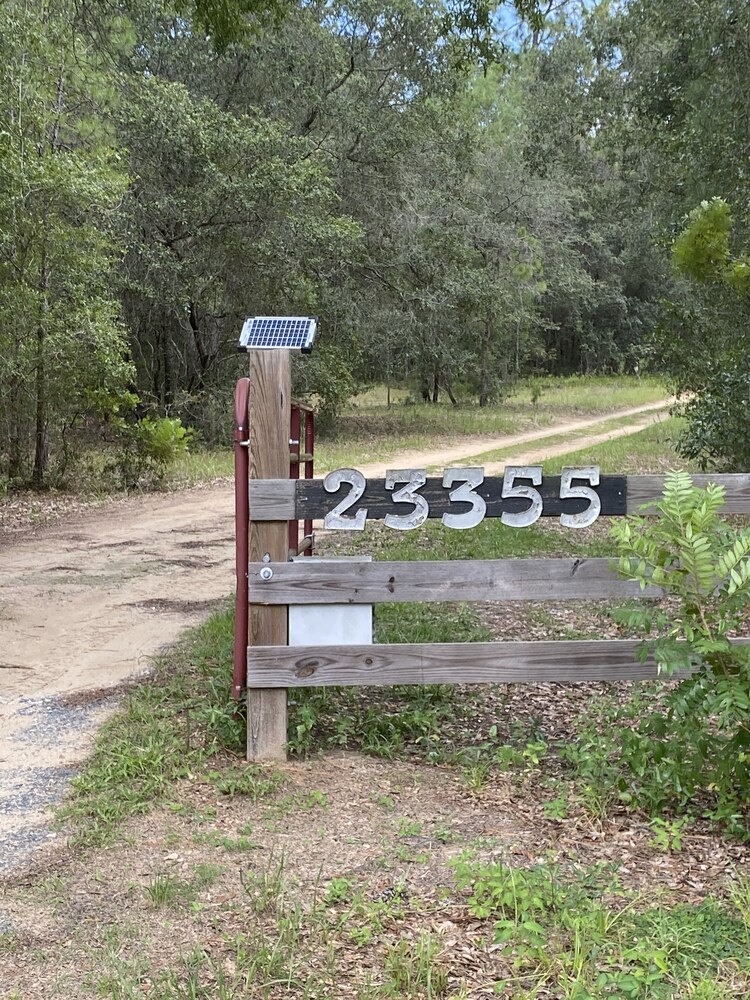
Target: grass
(580, 929)
(550, 930)
(598, 394)
(369, 432)
(554, 441)
(178, 721)
(510, 922)
(649, 451)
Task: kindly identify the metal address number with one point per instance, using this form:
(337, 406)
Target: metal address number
(468, 479)
(413, 478)
(331, 484)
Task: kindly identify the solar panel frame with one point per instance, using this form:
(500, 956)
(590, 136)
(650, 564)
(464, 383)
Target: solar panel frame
(273, 333)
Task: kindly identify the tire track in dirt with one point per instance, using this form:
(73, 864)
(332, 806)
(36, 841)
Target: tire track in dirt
(86, 604)
(470, 447)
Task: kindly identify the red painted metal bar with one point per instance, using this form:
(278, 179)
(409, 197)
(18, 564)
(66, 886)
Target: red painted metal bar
(242, 526)
(294, 449)
(310, 450)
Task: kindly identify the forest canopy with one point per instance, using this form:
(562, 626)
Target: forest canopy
(465, 194)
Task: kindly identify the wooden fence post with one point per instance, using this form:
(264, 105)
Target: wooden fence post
(268, 421)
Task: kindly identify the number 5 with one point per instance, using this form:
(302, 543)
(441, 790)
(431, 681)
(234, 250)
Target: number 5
(534, 512)
(588, 516)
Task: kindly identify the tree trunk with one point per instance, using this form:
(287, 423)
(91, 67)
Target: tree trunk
(41, 452)
(205, 358)
(484, 365)
(168, 388)
(436, 386)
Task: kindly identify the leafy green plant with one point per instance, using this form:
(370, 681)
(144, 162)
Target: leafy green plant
(667, 833)
(148, 448)
(700, 739)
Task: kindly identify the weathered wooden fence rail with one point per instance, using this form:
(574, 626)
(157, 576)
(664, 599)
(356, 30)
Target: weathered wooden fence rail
(282, 499)
(321, 584)
(431, 580)
(301, 612)
(569, 661)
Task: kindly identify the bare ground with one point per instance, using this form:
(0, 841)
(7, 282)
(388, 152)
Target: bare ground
(93, 923)
(86, 602)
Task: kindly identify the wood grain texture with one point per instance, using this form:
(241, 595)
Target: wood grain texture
(273, 500)
(573, 662)
(269, 418)
(648, 489)
(282, 500)
(314, 501)
(346, 582)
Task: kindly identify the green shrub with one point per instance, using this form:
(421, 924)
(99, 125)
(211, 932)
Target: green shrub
(697, 742)
(717, 433)
(148, 448)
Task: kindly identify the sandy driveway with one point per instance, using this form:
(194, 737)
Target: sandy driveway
(86, 603)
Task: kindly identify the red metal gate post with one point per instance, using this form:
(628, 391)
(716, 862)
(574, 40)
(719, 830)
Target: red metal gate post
(242, 518)
(294, 461)
(309, 461)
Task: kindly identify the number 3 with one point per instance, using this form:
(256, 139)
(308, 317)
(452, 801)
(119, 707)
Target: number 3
(414, 479)
(469, 479)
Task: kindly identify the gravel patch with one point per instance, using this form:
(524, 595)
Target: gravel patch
(17, 846)
(54, 719)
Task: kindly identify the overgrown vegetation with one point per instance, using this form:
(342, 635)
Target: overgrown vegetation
(690, 751)
(490, 914)
(466, 194)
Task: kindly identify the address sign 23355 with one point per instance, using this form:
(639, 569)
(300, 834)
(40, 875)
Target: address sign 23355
(462, 497)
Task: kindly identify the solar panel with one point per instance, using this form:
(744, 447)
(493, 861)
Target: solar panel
(269, 333)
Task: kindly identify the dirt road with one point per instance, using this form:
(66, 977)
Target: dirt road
(87, 603)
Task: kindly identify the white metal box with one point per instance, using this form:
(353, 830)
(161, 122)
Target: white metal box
(330, 624)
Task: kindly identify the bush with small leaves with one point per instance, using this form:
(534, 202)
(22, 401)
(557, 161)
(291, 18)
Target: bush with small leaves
(698, 741)
(148, 448)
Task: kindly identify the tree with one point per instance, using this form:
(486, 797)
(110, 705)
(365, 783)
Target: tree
(711, 365)
(686, 92)
(226, 214)
(61, 350)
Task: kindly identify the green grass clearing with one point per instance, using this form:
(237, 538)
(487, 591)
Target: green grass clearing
(368, 431)
(605, 427)
(341, 877)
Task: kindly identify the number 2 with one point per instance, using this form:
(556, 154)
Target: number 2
(331, 484)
